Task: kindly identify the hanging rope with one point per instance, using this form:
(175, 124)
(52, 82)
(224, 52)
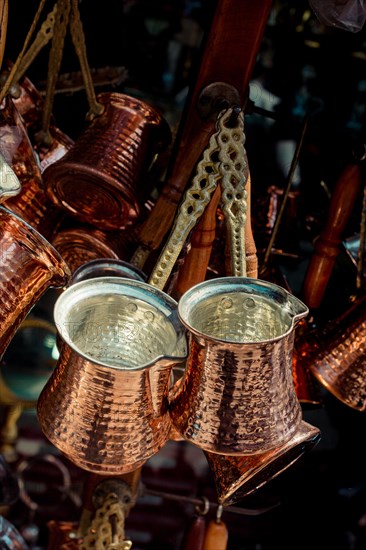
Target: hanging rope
(10, 79)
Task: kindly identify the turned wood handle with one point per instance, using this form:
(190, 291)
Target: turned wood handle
(3, 27)
(216, 537)
(196, 262)
(229, 55)
(327, 245)
(194, 534)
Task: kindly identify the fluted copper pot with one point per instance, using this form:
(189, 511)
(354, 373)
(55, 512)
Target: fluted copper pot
(105, 405)
(237, 394)
(336, 355)
(29, 266)
(81, 244)
(238, 476)
(102, 179)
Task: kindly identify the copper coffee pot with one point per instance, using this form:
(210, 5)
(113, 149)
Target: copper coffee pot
(105, 405)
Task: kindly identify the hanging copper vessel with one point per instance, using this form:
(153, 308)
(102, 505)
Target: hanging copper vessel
(29, 266)
(237, 394)
(105, 405)
(101, 179)
(31, 204)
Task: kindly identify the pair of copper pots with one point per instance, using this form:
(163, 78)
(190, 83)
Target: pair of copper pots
(136, 369)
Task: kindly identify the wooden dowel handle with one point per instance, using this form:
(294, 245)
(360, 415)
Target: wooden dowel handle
(327, 245)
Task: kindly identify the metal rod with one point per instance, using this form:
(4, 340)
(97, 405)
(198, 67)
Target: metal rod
(290, 176)
(199, 501)
(361, 250)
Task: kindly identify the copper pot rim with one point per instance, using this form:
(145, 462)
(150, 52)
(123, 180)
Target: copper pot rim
(57, 175)
(120, 267)
(230, 285)
(135, 289)
(49, 252)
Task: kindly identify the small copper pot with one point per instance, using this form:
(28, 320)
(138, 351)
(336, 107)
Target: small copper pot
(101, 179)
(29, 266)
(237, 394)
(105, 405)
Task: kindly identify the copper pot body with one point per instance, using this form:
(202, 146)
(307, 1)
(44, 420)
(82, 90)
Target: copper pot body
(238, 476)
(31, 203)
(81, 244)
(100, 180)
(105, 405)
(237, 394)
(29, 266)
(336, 355)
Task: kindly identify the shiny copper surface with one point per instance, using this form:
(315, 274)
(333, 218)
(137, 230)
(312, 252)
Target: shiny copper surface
(100, 180)
(29, 266)
(238, 476)
(107, 267)
(31, 204)
(336, 355)
(237, 394)
(105, 405)
(81, 244)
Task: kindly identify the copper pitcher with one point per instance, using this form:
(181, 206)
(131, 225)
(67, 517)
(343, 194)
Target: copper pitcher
(336, 355)
(237, 394)
(29, 266)
(102, 179)
(105, 405)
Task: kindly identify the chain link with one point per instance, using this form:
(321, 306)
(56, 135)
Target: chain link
(233, 168)
(107, 529)
(223, 161)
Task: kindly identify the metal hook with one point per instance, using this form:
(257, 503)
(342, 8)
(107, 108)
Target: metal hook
(233, 118)
(219, 512)
(203, 509)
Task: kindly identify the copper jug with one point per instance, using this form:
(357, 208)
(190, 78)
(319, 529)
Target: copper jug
(29, 266)
(105, 405)
(102, 179)
(336, 355)
(237, 394)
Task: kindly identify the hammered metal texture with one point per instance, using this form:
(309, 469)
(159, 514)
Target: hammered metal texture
(105, 405)
(237, 394)
(31, 204)
(336, 356)
(29, 266)
(82, 244)
(101, 179)
(238, 476)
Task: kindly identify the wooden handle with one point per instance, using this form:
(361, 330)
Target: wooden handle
(326, 247)
(216, 537)
(195, 264)
(3, 27)
(194, 534)
(229, 55)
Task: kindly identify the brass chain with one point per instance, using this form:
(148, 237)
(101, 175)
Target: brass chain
(78, 38)
(42, 38)
(223, 161)
(107, 529)
(54, 63)
(234, 172)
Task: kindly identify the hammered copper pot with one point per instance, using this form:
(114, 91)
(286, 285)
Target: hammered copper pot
(29, 266)
(80, 244)
(238, 476)
(237, 394)
(31, 203)
(336, 355)
(105, 405)
(102, 179)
